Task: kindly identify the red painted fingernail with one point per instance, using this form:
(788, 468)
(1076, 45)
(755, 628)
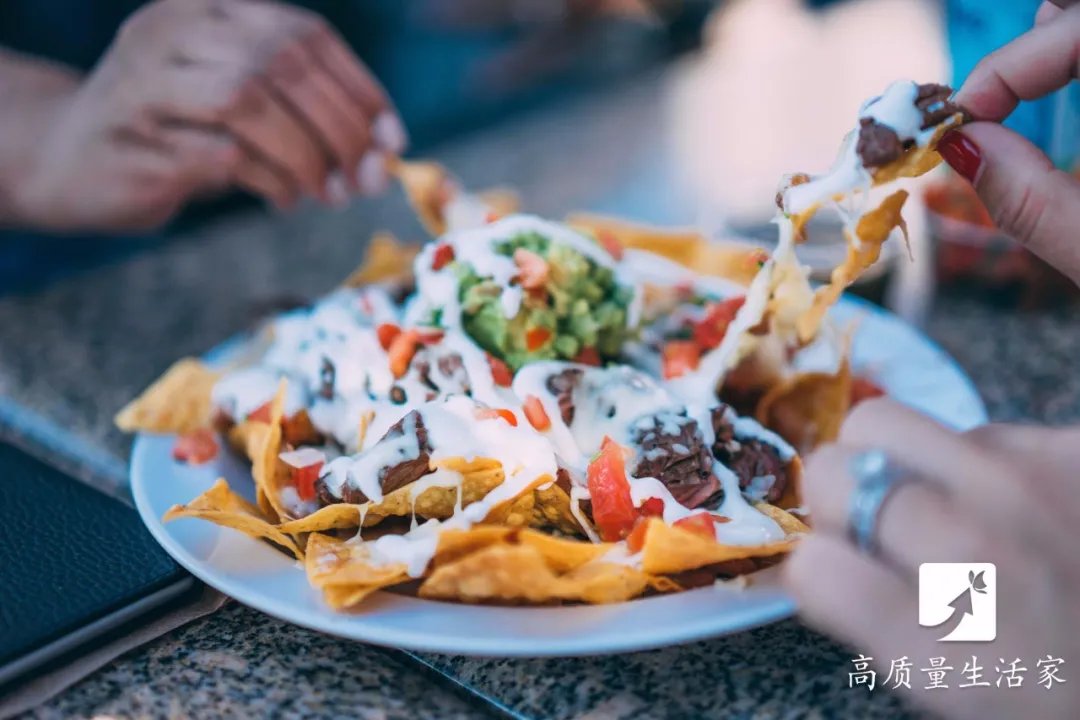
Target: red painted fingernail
(961, 153)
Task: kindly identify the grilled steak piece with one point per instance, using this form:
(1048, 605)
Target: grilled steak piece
(933, 100)
(562, 386)
(878, 144)
(748, 458)
(670, 448)
(391, 477)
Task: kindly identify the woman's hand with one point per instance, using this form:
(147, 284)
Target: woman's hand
(1028, 198)
(198, 95)
(1001, 494)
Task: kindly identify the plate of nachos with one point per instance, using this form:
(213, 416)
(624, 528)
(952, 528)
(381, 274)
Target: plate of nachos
(534, 437)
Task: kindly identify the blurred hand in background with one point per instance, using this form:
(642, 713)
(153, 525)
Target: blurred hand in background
(193, 97)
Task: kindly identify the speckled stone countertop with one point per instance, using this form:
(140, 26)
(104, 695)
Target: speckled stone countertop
(75, 352)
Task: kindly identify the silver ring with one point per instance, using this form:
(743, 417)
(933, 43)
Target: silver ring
(875, 479)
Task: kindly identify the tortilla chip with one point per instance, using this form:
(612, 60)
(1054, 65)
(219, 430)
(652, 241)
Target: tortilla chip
(520, 573)
(807, 409)
(386, 259)
(552, 509)
(737, 262)
(790, 524)
(221, 506)
(918, 160)
(871, 232)
(269, 473)
(502, 201)
(339, 516)
(344, 571)
(669, 550)
(427, 185)
(177, 402)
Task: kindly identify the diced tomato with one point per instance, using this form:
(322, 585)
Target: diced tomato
(429, 336)
(387, 332)
(443, 256)
(535, 413)
(401, 351)
(588, 356)
(536, 338)
(864, 389)
(609, 242)
(636, 539)
(196, 447)
(304, 480)
(652, 506)
(491, 217)
(612, 508)
(700, 524)
(492, 413)
(532, 269)
(500, 371)
(710, 330)
(680, 357)
(261, 413)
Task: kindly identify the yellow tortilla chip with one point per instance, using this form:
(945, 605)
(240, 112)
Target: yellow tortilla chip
(669, 550)
(552, 509)
(520, 573)
(790, 524)
(344, 571)
(386, 259)
(428, 186)
(221, 506)
(269, 473)
(501, 201)
(177, 402)
(918, 160)
(340, 516)
(871, 232)
(733, 261)
(807, 409)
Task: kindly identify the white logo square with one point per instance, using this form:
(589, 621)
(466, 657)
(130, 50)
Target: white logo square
(960, 599)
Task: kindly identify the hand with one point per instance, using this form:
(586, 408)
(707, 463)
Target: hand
(1028, 198)
(1001, 494)
(198, 95)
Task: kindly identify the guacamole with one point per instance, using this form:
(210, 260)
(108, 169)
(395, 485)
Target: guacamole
(577, 311)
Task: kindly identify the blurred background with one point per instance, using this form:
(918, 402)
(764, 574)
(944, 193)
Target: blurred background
(749, 90)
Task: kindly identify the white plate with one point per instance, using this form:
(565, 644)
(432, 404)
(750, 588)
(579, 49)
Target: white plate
(910, 367)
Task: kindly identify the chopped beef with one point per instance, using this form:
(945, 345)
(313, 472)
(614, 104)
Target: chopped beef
(562, 386)
(563, 481)
(391, 477)
(933, 100)
(878, 144)
(748, 458)
(448, 374)
(327, 375)
(681, 461)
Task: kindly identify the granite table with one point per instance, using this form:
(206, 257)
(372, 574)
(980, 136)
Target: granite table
(73, 353)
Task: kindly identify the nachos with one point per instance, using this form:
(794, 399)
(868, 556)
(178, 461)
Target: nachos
(530, 411)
